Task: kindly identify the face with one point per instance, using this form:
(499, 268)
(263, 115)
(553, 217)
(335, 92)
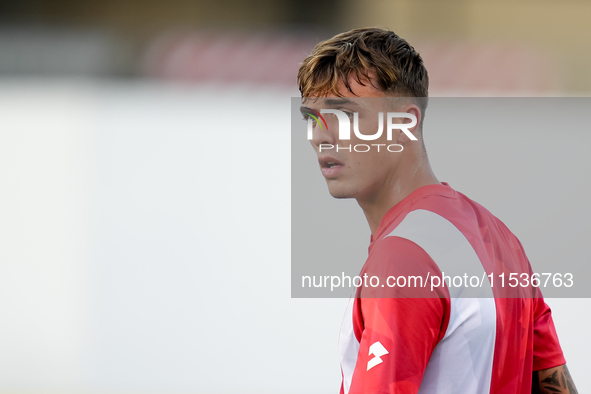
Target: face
(358, 174)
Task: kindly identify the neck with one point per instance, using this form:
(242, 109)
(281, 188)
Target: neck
(402, 183)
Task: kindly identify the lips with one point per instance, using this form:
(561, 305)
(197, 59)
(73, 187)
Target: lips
(329, 162)
(330, 166)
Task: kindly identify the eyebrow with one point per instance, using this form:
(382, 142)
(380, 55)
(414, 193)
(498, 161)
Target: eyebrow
(339, 101)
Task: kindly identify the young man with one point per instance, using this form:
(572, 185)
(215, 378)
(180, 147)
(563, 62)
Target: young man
(453, 340)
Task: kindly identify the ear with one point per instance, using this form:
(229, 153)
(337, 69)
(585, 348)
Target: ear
(414, 110)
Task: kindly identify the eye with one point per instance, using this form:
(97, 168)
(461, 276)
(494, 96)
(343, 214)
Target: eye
(347, 112)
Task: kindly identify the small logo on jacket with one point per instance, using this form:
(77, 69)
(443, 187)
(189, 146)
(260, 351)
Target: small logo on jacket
(378, 350)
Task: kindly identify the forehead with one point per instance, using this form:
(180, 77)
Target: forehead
(365, 88)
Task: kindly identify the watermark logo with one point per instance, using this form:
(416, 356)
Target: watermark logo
(344, 122)
(313, 115)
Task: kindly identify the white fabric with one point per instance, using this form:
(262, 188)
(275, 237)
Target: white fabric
(348, 347)
(463, 360)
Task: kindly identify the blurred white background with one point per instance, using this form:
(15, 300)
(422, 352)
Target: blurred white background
(145, 238)
(145, 245)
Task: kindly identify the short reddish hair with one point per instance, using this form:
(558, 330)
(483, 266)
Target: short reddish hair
(398, 68)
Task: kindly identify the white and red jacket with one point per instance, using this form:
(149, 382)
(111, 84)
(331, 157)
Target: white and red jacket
(484, 340)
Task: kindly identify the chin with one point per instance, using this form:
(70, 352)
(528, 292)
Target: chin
(339, 192)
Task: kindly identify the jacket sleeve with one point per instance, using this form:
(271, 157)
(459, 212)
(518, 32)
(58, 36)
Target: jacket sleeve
(401, 325)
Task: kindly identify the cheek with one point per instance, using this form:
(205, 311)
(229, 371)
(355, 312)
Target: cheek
(369, 127)
(369, 163)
